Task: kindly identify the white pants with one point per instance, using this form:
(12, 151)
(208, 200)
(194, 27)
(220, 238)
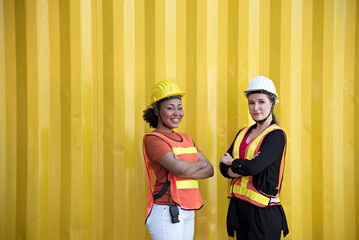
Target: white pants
(160, 225)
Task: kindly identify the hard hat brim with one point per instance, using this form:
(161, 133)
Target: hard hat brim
(246, 92)
(169, 95)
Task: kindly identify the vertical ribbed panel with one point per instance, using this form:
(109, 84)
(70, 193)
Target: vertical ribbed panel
(75, 77)
(2, 122)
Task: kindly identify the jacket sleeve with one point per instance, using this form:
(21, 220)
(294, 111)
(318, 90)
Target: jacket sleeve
(223, 167)
(270, 151)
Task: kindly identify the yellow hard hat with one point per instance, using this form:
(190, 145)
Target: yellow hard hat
(164, 89)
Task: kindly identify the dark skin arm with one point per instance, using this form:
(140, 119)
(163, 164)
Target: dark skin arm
(198, 170)
(206, 172)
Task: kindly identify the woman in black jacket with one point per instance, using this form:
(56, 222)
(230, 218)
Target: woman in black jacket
(255, 162)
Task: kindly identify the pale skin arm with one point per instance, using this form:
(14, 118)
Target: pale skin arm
(227, 159)
(198, 170)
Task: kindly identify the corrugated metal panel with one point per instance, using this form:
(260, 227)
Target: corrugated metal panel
(75, 77)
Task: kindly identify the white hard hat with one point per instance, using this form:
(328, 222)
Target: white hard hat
(261, 83)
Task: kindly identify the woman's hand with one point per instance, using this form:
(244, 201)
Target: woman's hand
(226, 159)
(232, 174)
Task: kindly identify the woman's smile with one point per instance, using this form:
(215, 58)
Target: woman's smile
(171, 113)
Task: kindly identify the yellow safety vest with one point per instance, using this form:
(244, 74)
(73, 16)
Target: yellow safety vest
(242, 187)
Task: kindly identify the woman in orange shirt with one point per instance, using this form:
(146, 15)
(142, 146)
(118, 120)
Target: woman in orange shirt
(173, 165)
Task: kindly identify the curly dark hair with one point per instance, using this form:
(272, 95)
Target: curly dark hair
(150, 117)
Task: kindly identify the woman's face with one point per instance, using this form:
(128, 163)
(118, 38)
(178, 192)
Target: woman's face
(171, 113)
(259, 106)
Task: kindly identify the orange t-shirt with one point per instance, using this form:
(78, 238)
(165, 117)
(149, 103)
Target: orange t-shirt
(156, 148)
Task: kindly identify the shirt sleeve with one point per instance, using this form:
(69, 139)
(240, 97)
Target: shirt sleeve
(270, 151)
(156, 148)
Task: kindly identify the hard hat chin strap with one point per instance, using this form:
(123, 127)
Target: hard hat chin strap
(157, 112)
(263, 120)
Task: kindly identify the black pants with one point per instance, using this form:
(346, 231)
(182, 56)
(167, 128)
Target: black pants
(255, 223)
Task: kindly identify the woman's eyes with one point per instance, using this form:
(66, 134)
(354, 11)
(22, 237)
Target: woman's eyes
(260, 102)
(172, 109)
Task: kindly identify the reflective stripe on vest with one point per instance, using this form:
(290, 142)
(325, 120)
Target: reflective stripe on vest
(181, 150)
(187, 184)
(251, 194)
(242, 187)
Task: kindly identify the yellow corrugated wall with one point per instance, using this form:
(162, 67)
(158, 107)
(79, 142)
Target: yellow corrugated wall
(75, 76)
